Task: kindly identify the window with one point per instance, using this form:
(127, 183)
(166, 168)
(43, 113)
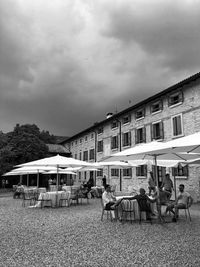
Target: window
(114, 142)
(156, 106)
(92, 135)
(140, 113)
(100, 130)
(91, 155)
(79, 175)
(141, 171)
(85, 175)
(126, 119)
(75, 156)
(115, 172)
(177, 125)
(140, 135)
(85, 155)
(126, 139)
(100, 146)
(175, 98)
(80, 155)
(180, 171)
(100, 173)
(72, 144)
(157, 131)
(80, 140)
(127, 172)
(114, 124)
(86, 138)
(76, 142)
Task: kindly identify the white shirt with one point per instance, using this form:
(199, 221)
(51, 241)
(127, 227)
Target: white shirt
(107, 197)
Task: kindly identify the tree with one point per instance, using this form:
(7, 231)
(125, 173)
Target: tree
(24, 144)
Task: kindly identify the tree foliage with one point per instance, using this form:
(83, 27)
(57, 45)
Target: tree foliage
(24, 144)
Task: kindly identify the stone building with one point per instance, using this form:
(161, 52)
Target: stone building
(169, 114)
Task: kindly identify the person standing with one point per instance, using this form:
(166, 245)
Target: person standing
(167, 184)
(104, 181)
(152, 183)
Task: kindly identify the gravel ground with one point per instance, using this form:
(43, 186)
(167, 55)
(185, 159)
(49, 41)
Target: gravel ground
(75, 236)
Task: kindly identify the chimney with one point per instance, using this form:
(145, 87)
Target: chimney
(108, 115)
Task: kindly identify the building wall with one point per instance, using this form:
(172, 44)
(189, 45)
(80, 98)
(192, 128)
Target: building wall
(190, 110)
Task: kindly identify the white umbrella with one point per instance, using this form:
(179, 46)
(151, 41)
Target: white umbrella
(57, 161)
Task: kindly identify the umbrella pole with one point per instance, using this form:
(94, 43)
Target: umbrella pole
(37, 178)
(20, 179)
(57, 177)
(158, 200)
(175, 186)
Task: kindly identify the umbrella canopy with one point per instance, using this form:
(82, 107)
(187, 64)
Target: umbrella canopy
(56, 161)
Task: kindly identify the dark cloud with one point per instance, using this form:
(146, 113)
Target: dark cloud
(65, 64)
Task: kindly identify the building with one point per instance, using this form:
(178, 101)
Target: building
(169, 114)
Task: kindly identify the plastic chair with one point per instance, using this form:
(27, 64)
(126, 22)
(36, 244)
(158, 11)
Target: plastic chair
(64, 198)
(187, 210)
(108, 211)
(74, 195)
(143, 206)
(45, 197)
(127, 209)
(28, 197)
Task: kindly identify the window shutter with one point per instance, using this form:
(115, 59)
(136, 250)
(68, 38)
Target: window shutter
(144, 135)
(111, 141)
(161, 130)
(123, 139)
(129, 138)
(152, 135)
(136, 136)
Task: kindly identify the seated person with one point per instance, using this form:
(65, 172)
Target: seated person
(164, 196)
(183, 201)
(144, 202)
(109, 200)
(19, 190)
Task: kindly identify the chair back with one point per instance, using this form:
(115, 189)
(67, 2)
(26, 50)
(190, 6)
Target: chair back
(143, 204)
(127, 205)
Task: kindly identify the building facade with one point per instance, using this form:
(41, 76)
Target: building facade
(172, 113)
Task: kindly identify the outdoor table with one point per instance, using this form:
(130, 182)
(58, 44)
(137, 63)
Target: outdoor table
(55, 197)
(136, 209)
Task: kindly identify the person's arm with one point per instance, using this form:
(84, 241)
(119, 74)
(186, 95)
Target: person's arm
(152, 200)
(129, 198)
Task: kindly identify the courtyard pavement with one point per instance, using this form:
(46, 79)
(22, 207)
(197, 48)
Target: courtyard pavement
(76, 236)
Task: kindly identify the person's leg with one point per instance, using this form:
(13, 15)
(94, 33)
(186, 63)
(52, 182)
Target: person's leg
(170, 208)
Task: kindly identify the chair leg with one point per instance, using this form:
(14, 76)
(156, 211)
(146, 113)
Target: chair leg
(102, 215)
(189, 214)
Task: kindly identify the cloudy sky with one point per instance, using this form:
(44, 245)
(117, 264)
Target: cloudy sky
(64, 64)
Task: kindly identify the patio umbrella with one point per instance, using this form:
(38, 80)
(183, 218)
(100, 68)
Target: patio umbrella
(58, 162)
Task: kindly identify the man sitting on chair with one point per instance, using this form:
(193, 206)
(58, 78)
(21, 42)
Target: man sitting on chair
(109, 200)
(183, 201)
(144, 201)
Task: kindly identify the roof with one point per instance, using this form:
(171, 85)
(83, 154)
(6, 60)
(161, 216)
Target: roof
(56, 148)
(137, 105)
